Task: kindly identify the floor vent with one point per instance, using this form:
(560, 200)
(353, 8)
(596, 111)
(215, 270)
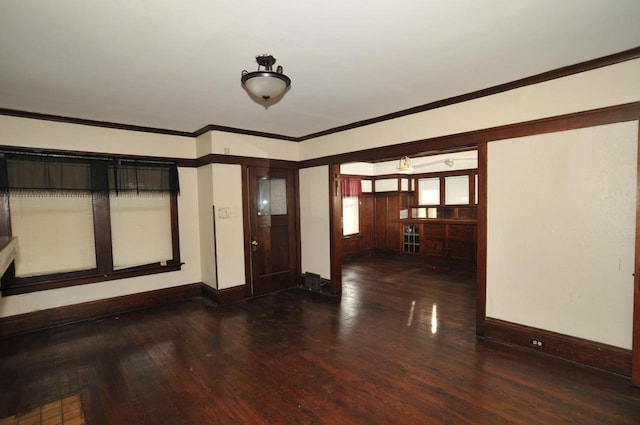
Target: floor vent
(312, 281)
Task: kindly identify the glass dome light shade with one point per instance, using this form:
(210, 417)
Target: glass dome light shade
(265, 84)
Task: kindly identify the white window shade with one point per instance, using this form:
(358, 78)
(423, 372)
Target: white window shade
(55, 234)
(350, 215)
(140, 230)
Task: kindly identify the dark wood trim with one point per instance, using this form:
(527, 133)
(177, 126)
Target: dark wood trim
(102, 232)
(535, 79)
(102, 155)
(214, 158)
(335, 231)
(590, 353)
(175, 230)
(246, 229)
(29, 322)
(229, 295)
(5, 217)
(481, 262)
(635, 370)
(209, 292)
(298, 230)
(225, 296)
(64, 280)
(92, 123)
(589, 65)
(212, 127)
(442, 144)
(214, 260)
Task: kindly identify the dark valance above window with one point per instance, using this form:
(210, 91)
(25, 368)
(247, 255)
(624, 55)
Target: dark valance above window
(31, 174)
(351, 186)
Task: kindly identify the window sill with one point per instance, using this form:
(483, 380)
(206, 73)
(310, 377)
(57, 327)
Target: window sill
(353, 236)
(18, 286)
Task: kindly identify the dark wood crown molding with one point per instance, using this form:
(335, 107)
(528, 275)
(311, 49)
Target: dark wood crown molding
(212, 127)
(535, 79)
(92, 123)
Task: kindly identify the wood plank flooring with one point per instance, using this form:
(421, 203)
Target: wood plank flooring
(398, 347)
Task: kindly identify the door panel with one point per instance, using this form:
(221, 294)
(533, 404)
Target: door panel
(273, 229)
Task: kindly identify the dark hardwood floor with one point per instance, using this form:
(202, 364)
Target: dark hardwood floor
(397, 348)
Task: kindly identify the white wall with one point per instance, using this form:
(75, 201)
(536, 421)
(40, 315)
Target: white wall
(561, 231)
(53, 135)
(613, 85)
(253, 146)
(25, 132)
(205, 221)
(358, 168)
(227, 198)
(314, 221)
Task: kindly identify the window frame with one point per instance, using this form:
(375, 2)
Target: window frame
(12, 285)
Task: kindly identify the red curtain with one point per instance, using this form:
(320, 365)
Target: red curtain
(351, 186)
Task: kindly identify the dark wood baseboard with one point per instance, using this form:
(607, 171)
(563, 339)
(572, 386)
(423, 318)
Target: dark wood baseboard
(594, 354)
(224, 296)
(29, 322)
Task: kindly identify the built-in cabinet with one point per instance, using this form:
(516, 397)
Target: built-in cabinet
(441, 241)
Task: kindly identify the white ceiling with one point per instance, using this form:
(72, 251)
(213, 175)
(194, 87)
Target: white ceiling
(176, 64)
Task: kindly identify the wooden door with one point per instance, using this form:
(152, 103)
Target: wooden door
(273, 232)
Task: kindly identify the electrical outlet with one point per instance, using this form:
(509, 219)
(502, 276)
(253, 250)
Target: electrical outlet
(535, 342)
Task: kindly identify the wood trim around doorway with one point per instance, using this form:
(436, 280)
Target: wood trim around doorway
(635, 345)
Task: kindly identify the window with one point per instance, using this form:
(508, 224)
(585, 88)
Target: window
(429, 191)
(456, 190)
(82, 220)
(272, 196)
(351, 190)
(350, 215)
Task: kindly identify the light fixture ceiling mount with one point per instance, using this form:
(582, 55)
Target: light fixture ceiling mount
(404, 167)
(266, 84)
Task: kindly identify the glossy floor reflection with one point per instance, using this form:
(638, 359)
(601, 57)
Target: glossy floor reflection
(398, 347)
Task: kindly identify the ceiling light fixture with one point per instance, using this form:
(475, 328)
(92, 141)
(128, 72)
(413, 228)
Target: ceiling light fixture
(266, 84)
(404, 166)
